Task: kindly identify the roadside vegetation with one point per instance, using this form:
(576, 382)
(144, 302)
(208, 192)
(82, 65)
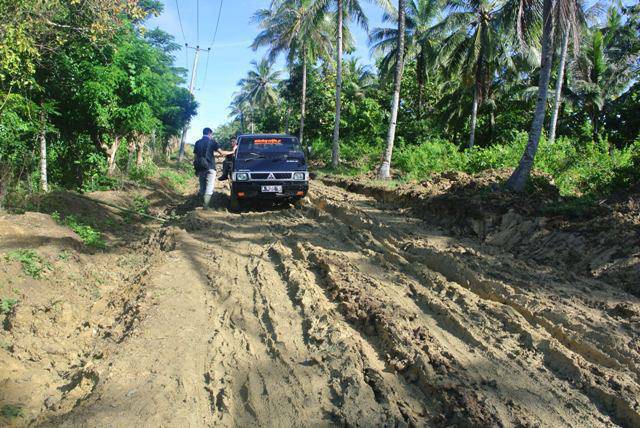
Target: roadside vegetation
(32, 264)
(469, 91)
(89, 97)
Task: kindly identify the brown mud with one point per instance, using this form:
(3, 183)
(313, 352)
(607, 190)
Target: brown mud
(356, 309)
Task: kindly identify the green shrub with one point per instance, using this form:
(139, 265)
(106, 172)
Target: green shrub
(6, 305)
(90, 236)
(142, 173)
(100, 182)
(140, 204)
(32, 264)
(418, 161)
(578, 168)
(320, 149)
(10, 411)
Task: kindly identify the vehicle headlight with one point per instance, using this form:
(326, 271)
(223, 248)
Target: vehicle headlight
(242, 176)
(298, 175)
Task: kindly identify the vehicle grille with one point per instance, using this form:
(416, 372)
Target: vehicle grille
(265, 175)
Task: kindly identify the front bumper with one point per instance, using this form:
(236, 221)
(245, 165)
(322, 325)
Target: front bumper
(252, 189)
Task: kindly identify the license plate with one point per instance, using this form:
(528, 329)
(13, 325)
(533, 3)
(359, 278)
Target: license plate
(271, 189)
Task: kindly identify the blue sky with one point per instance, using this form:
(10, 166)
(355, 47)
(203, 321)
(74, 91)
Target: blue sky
(231, 55)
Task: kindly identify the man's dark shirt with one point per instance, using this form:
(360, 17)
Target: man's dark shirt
(205, 148)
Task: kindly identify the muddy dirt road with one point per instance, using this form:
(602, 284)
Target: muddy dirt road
(344, 312)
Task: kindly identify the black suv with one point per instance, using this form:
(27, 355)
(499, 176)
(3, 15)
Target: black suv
(269, 167)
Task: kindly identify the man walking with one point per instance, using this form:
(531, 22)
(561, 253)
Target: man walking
(205, 164)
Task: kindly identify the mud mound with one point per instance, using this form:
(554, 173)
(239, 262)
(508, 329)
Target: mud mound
(602, 242)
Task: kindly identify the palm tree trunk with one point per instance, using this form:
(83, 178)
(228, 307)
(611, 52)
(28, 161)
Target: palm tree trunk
(335, 152)
(287, 117)
(44, 182)
(520, 176)
(303, 96)
(474, 113)
(385, 167)
(420, 72)
(558, 94)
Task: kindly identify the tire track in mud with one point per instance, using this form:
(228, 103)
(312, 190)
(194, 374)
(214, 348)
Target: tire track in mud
(345, 313)
(286, 369)
(556, 357)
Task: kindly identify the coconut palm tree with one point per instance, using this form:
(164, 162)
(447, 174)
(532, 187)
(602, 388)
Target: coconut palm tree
(555, 14)
(421, 41)
(260, 86)
(361, 80)
(384, 172)
(239, 107)
(473, 47)
(598, 77)
(346, 10)
(296, 29)
(570, 29)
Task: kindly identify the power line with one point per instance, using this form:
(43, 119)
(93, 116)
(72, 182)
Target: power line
(180, 21)
(215, 32)
(206, 69)
(197, 22)
(213, 41)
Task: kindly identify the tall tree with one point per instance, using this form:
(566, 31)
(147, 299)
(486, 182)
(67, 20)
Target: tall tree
(473, 47)
(421, 41)
(345, 10)
(569, 29)
(557, 96)
(298, 30)
(384, 172)
(260, 84)
(520, 176)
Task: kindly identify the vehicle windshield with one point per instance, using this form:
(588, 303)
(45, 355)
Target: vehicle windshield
(267, 147)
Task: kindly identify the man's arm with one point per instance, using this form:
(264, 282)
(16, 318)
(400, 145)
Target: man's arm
(224, 152)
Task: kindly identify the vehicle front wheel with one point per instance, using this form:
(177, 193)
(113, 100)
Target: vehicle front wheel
(300, 203)
(234, 202)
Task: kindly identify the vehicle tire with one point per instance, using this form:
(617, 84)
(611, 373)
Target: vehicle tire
(234, 202)
(301, 202)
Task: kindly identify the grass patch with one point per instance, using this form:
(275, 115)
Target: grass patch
(9, 411)
(579, 207)
(32, 264)
(87, 233)
(142, 173)
(6, 305)
(140, 204)
(175, 180)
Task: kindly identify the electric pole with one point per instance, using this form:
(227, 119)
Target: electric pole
(191, 88)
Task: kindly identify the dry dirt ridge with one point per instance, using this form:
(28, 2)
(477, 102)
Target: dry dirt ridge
(343, 312)
(600, 242)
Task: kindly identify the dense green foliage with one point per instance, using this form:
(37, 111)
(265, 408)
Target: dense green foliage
(91, 81)
(456, 50)
(88, 83)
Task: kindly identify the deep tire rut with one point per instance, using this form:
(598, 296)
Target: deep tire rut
(345, 312)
